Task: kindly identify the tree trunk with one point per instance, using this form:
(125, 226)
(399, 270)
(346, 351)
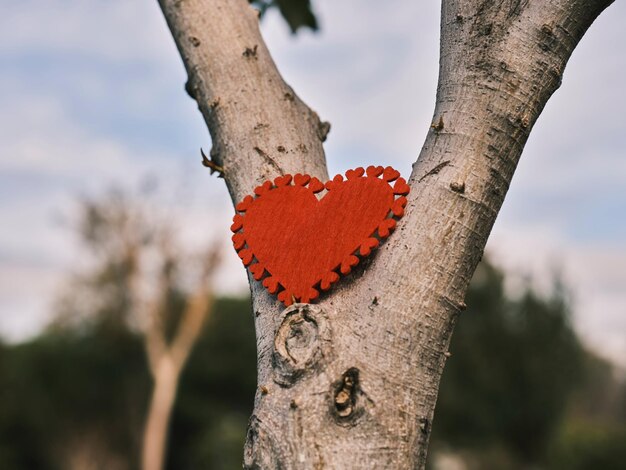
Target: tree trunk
(165, 377)
(351, 382)
(167, 360)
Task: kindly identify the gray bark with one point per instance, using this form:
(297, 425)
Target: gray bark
(351, 382)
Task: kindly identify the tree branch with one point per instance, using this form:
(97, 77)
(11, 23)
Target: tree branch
(156, 307)
(199, 307)
(244, 100)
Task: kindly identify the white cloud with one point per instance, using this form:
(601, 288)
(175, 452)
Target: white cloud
(117, 30)
(40, 137)
(25, 292)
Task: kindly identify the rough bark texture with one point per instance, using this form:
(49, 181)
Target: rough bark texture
(351, 382)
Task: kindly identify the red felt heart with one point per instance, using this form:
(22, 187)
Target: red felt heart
(300, 241)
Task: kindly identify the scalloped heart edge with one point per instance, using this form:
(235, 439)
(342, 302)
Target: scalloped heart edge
(261, 273)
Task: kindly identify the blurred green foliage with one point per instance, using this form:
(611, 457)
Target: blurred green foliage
(67, 391)
(585, 447)
(74, 397)
(520, 391)
(514, 366)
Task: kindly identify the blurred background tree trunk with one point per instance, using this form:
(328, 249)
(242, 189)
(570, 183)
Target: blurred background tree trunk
(167, 359)
(163, 292)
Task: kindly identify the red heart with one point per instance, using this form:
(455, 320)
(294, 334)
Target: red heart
(300, 240)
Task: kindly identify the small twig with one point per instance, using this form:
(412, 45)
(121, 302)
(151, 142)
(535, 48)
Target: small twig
(211, 165)
(439, 126)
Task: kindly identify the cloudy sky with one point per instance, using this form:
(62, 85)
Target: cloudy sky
(91, 95)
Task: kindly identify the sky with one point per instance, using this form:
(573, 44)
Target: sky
(91, 96)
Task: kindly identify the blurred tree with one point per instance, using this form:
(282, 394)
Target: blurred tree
(137, 257)
(594, 435)
(519, 386)
(514, 365)
(601, 397)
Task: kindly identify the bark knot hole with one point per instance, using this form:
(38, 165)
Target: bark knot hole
(250, 52)
(345, 398)
(302, 343)
(300, 336)
(458, 186)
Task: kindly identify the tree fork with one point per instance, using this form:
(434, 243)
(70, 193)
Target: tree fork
(352, 381)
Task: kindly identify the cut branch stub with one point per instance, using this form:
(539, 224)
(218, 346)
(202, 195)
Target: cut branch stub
(302, 343)
(299, 244)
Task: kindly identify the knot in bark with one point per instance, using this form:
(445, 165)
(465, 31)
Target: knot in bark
(302, 343)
